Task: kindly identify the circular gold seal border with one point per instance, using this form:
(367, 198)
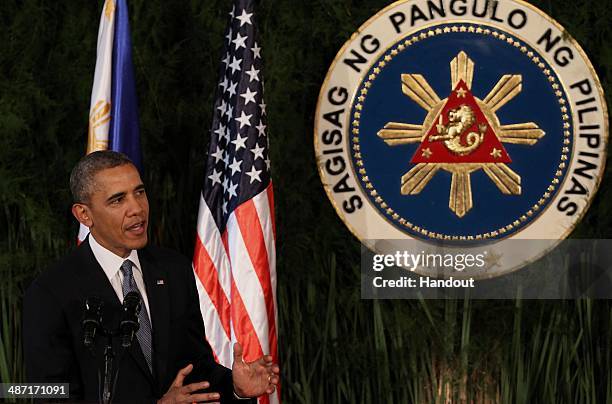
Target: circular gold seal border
(575, 45)
(429, 33)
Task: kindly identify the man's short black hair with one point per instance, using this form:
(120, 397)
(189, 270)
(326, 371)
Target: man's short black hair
(82, 176)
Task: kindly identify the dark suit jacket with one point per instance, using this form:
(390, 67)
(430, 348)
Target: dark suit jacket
(53, 337)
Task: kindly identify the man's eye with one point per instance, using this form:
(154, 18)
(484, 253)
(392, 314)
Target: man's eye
(140, 192)
(116, 201)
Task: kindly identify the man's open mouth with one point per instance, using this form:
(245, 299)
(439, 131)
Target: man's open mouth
(137, 228)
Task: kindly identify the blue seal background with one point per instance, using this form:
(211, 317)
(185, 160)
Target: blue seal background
(536, 164)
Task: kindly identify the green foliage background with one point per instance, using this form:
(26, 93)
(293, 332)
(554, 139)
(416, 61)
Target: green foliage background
(335, 347)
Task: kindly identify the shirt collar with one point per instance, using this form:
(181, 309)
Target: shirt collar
(109, 261)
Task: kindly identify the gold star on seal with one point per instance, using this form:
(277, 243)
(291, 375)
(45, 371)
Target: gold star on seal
(427, 153)
(461, 93)
(496, 153)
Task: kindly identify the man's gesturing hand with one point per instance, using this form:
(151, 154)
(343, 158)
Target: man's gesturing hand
(177, 393)
(255, 378)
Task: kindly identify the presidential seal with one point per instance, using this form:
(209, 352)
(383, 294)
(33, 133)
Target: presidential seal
(463, 122)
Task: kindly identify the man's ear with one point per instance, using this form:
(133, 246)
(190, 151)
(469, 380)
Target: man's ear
(81, 213)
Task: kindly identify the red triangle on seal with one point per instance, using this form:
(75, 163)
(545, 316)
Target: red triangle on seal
(461, 134)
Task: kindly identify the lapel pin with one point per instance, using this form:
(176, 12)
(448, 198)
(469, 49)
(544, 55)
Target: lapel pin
(160, 281)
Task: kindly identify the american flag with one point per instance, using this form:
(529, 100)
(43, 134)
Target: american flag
(235, 258)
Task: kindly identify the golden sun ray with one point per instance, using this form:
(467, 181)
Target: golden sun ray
(508, 182)
(395, 133)
(505, 90)
(415, 180)
(462, 68)
(418, 89)
(99, 116)
(460, 198)
(521, 133)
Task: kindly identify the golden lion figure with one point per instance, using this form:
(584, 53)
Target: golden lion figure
(459, 120)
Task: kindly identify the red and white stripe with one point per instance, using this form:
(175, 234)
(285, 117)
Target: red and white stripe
(236, 278)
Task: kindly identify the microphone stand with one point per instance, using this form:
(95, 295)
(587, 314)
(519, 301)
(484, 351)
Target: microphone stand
(130, 327)
(109, 356)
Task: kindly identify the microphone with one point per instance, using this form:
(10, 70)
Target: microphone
(92, 319)
(129, 324)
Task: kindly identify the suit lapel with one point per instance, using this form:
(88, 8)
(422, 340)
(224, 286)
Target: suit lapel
(155, 279)
(94, 276)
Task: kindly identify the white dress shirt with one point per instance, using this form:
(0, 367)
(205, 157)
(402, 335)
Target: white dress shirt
(111, 264)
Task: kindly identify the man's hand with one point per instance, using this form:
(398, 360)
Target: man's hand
(255, 378)
(177, 393)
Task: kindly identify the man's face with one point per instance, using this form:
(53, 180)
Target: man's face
(118, 210)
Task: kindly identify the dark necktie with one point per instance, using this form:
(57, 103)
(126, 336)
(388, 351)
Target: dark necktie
(144, 332)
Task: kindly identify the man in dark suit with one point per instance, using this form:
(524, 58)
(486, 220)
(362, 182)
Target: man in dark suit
(169, 359)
